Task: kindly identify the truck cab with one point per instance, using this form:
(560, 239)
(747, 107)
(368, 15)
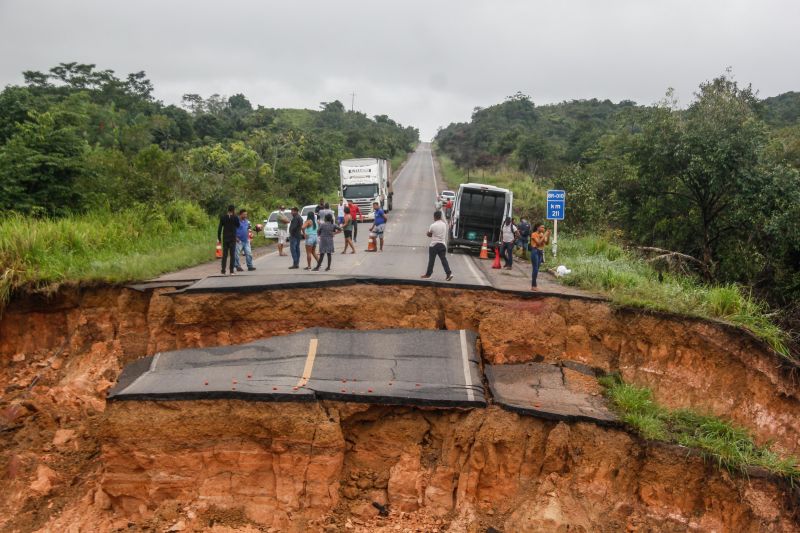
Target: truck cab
(364, 181)
(478, 210)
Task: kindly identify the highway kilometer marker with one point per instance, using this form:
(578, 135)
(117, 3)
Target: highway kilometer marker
(556, 205)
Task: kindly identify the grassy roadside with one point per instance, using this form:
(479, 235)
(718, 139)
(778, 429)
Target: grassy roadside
(600, 264)
(134, 244)
(731, 447)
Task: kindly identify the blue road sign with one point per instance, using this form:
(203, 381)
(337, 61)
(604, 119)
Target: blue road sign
(556, 202)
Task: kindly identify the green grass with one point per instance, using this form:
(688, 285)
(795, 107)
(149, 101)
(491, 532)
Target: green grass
(529, 195)
(134, 244)
(730, 446)
(599, 264)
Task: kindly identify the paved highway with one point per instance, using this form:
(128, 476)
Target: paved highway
(405, 252)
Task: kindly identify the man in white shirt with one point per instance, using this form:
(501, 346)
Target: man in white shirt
(438, 234)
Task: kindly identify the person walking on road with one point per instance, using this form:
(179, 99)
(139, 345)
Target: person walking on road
(509, 235)
(539, 239)
(243, 242)
(310, 231)
(347, 226)
(226, 234)
(295, 236)
(438, 234)
(355, 212)
(283, 230)
(379, 225)
(340, 212)
(326, 232)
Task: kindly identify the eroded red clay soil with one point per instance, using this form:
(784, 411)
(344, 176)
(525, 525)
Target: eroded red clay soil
(217, 465)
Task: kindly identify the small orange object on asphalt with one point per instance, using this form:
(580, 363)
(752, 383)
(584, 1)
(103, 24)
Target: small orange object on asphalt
(372, 244)
(485, 248)
(496, 263)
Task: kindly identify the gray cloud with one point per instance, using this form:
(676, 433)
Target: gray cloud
(424, 63)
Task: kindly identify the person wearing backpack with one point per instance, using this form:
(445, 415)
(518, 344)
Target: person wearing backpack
(510, 234)
(524, 236)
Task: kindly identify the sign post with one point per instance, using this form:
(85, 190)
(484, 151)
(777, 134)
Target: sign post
(556, 203)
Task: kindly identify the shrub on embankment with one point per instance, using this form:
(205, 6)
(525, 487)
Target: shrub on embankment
(730, 446)
(132, 244)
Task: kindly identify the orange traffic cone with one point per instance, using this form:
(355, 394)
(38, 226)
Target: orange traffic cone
(496, 263)
(219, 250)
(372, 245)
(485, 248)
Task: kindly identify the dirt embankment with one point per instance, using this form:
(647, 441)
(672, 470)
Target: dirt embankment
(687, 363)
(59, 356)
(289, 465)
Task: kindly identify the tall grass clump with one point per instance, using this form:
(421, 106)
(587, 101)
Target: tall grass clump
(132, 244)
(599, 264)
(730, 446)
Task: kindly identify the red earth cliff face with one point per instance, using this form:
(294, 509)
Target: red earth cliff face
(687, 363)
(59, 356)
(289, 465)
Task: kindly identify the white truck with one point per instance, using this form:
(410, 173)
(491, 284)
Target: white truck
(365, 181)
(478, 211)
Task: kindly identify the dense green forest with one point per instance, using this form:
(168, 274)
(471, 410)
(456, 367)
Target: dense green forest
(100, 181)
(76, 139)
(714, 186)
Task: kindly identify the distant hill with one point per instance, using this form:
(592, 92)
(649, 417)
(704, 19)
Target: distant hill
(782, 110)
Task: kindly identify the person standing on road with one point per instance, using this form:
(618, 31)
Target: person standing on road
(320, 207)
(438, 234)
(326, 232)
(340, 212)
(226, 234)
(509, 235)
(283, 230)
(295, 236)
(539, 239)
(310, 232)
(379, 225)
(448, 209)
(324, 212)
(243, 242)
(347, 226)
(355, 212)
(524, 236)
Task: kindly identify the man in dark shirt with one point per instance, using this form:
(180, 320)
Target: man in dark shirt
(295, 236)
(226, 233)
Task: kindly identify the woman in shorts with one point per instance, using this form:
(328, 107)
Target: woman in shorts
(347, 225)
(310, 232)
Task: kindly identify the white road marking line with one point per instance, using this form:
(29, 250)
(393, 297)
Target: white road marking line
(312, 354)
(465, 362)
(433, 168)
(475, 272)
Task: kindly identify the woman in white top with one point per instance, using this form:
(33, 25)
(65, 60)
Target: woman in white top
(510, 236)
(438, 234)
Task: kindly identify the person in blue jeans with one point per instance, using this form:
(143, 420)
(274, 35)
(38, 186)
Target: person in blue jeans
(509, 235)
(539, 239)
(295, 236)
(243, 242)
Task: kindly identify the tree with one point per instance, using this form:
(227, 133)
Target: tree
(703, 158)
(41, 162)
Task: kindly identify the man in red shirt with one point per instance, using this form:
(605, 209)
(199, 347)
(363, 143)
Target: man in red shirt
(355, 212)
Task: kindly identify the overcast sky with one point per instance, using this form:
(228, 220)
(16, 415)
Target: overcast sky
(424, 63)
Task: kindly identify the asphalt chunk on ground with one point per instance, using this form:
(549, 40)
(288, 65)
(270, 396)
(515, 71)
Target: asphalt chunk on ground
(391, 367)
(548, 391)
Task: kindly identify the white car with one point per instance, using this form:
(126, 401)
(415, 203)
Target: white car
(444, 196)
(307, 209)
(271, 226)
